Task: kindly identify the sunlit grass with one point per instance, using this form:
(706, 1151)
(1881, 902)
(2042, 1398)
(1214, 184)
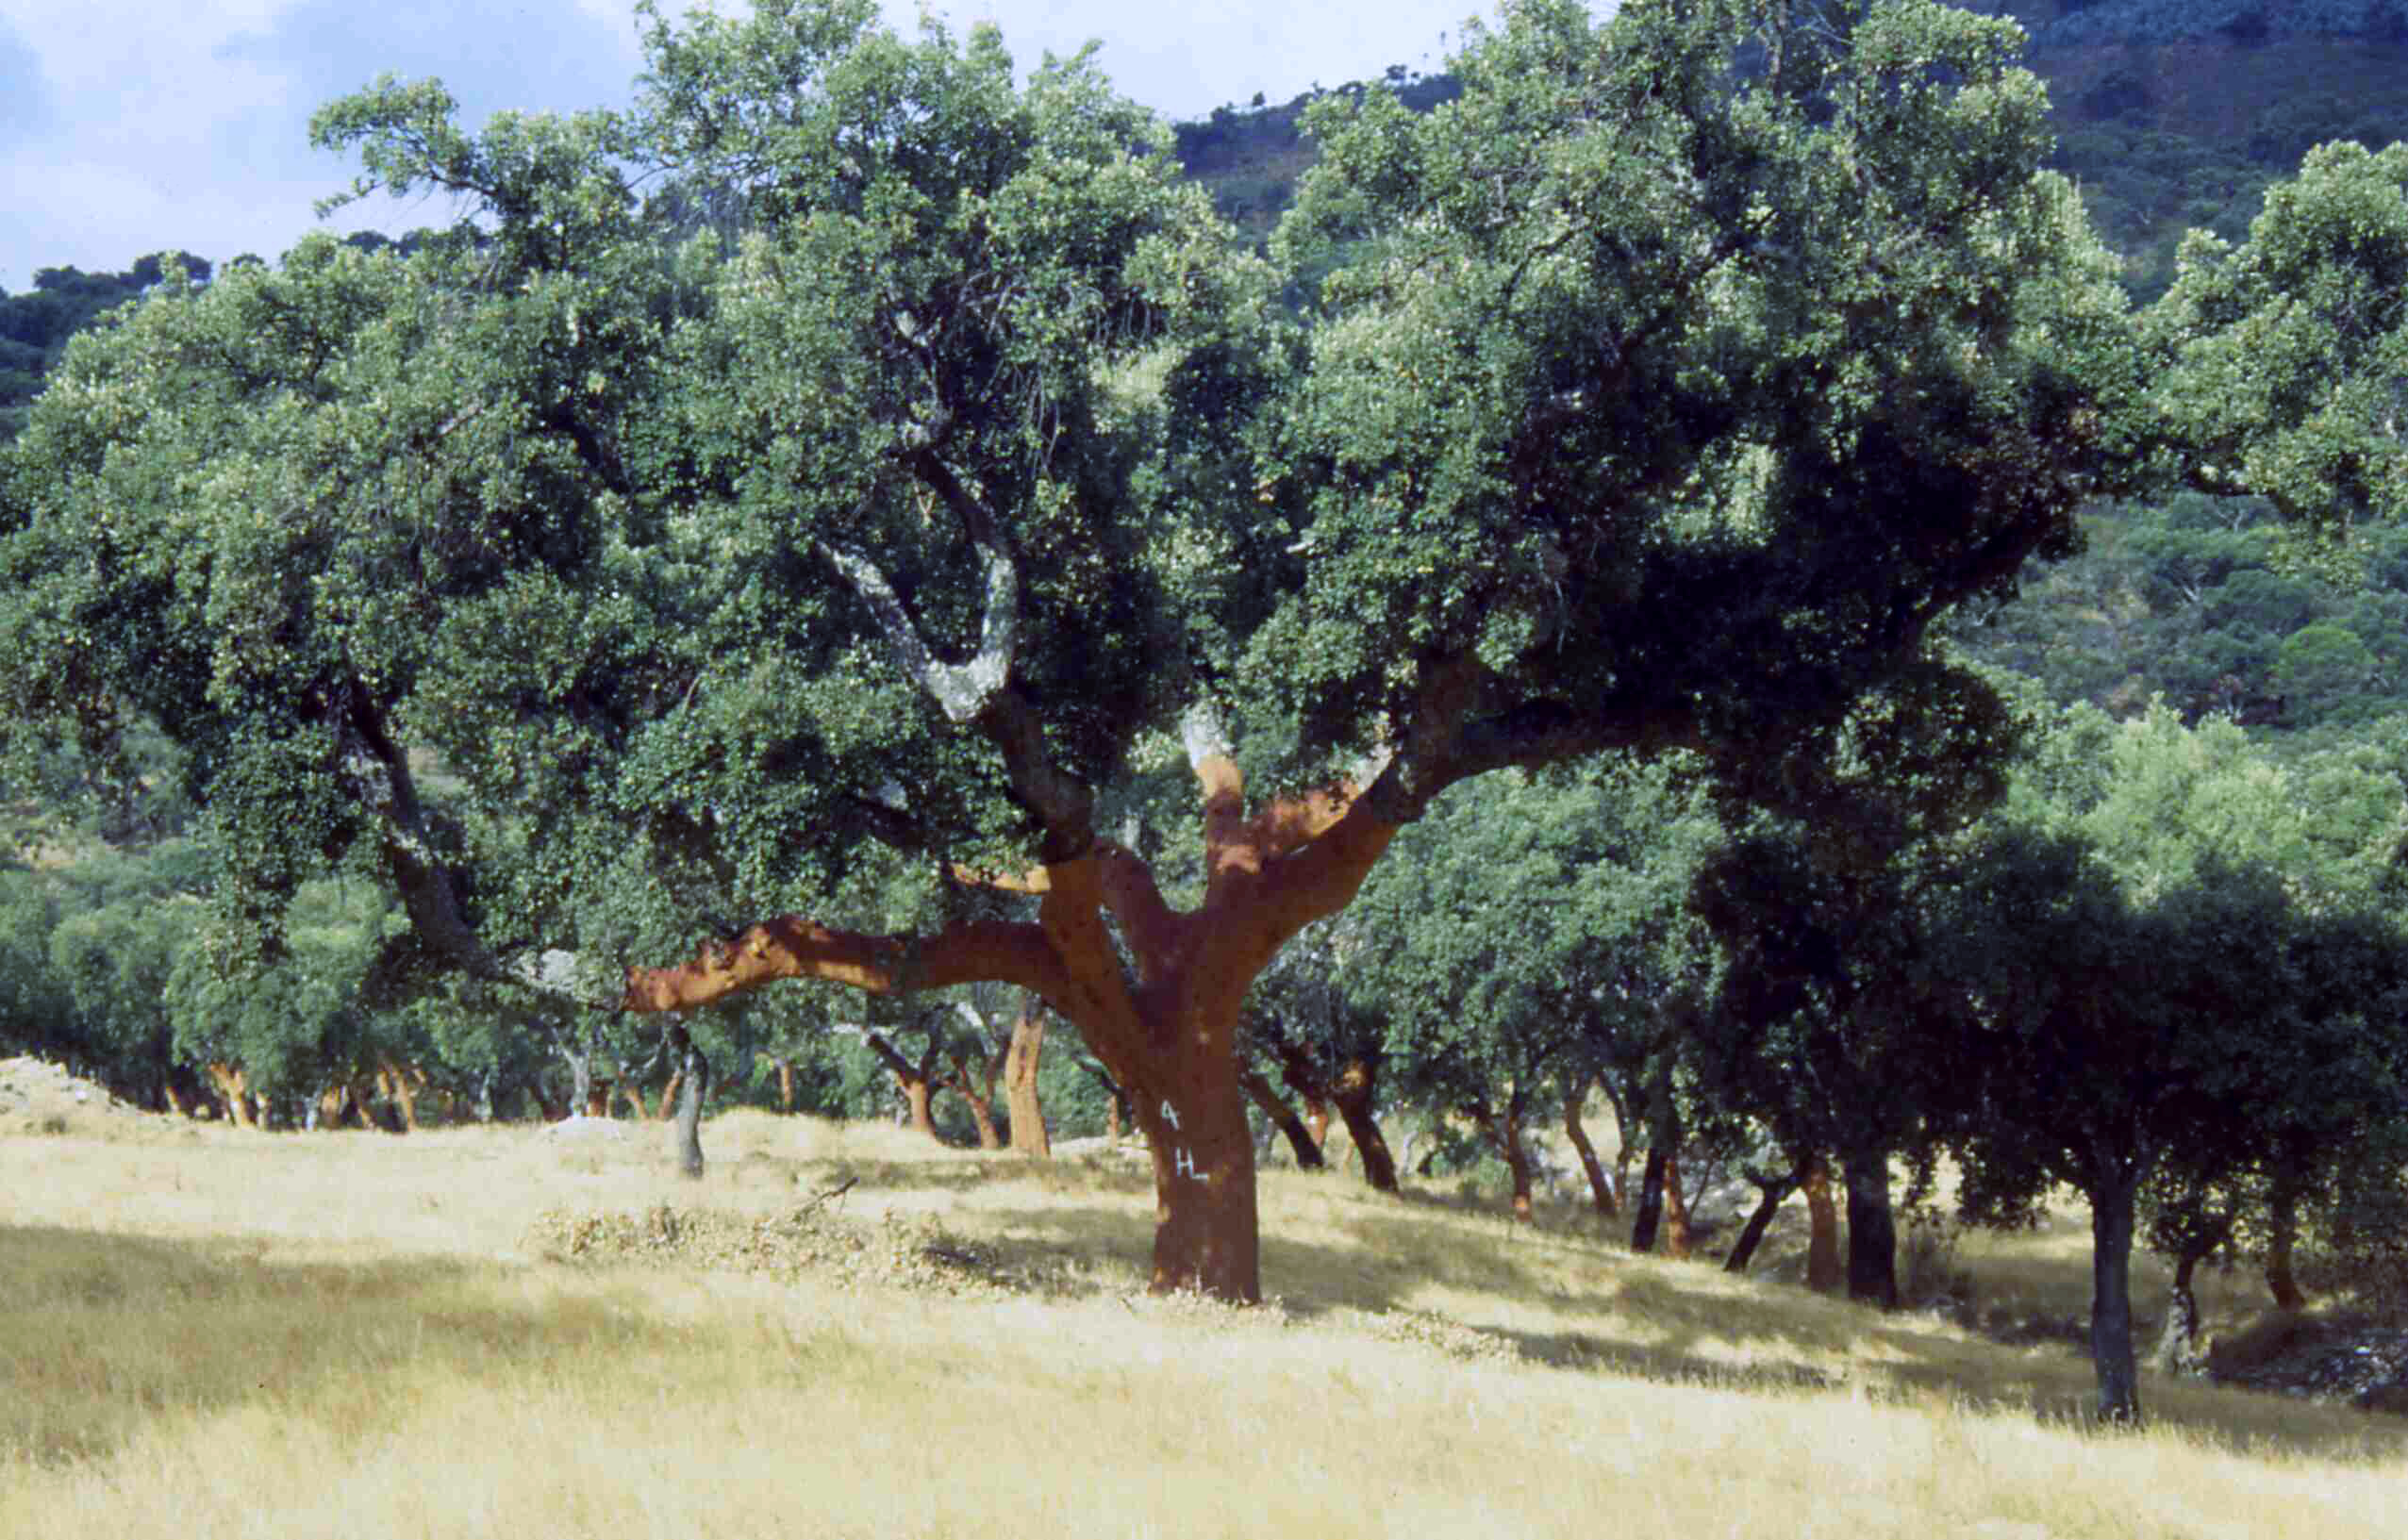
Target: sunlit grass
(227, 1334)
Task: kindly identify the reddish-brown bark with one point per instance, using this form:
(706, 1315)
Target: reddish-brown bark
(1020, 1083)
(1502, 1130)
(1824, 1271)
(917, 1081)
(400, 1084)
(1167, 1035)
(1676, 1237)
(785, 1083)
(1308, 1150)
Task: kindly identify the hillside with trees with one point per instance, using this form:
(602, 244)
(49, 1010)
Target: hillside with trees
(1678, 563)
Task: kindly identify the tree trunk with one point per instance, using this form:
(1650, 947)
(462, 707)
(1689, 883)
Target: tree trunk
(1677, 1241)
(1599, 1192)
(1824, 1271)
(1282, 1117)
(2114, 1187)
(400, 1084)
(1651, 1201)
(1205, 1237)
(234, 1089)
(1872, 1230)
(694, 1080)
(918, 1095)
(1772, 1192)
(669, 1094)
(2282, 1238)
(1505, 1133)
(981, 1110)
(784, 1085)
(1029, 1136)
(2178, 1351)
(1352, 1094)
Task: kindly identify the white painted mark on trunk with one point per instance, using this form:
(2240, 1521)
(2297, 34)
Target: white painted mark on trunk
(1169, 1113)
(1182, 1162)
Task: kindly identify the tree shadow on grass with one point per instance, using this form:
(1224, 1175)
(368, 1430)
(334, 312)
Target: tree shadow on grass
(103, 1335)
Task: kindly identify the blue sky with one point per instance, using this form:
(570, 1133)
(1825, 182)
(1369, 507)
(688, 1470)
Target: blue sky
(131, 125)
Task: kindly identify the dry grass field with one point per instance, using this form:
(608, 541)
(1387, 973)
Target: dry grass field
(209, 1335)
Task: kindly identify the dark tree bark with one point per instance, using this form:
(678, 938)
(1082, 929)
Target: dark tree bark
(2282, 1239)
(1772, 1190)
(1353, 1093)
(1650, 1200)
(1282, 1117)
(1872, 1230)
(2113, 1200)
(694, 1084)
(2178, 1351)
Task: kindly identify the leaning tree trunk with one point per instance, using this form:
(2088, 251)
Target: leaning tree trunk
(1772, 1192)
(1168, 1034)
(1677, 1242)
(2178, 1351)
(233, 1084)
(1352, 1094)
(1282, 1117)
(694, 1083)
(1872, 1230)
(1600, 1192)
(1020, 1083)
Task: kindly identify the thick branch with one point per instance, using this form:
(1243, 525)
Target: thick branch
(794, 948)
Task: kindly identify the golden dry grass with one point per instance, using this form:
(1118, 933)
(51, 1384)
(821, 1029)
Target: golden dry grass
(215, 1335)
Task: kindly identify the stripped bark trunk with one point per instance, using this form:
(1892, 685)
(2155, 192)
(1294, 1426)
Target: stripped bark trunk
(1168, 1034)
(1029, 1135)
(1677, 1242)
(1353, 1093)
(785, 1083)
(1772, 1192)
(1282, 1117)
(1824, 1271)
(400, 1084)
(234, 1089)
(914, 1080)
(1502, 1130)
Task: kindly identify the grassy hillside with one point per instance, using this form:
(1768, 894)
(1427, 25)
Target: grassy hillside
(210, 1335)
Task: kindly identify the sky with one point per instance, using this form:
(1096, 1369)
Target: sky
(129, 127)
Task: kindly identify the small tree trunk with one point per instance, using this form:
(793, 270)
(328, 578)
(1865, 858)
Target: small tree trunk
(784, 1085)
(400, 1084)
(1282, 1117)
(634, 1095)
(1019, 1081)
(2113, 1189)
(1651, 1201)
(981, 1110)
(2281, 1237)
(1873, 1231)
(234, 1087)
(2178, 1351)
(668, 1096)
(918, 1098)
(1352, 1094)
(1772, 1192)
(1824, 1271)
(1677, 1241)
(693, 1078)
(1601, 1194)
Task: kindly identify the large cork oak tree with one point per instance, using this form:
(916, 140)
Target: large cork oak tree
(826, 491)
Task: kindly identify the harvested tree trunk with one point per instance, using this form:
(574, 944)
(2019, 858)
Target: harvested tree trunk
(1353, 1093)
(1677, 1242)
(1824, 1271)
(1599, 1192)
(785, 1083)
(1283, 1116)
(234, 1089)
(400, 1084)
(1505, 1133)
(1772, 1192)
(668, 1096)
(917, 1081)
(1029, 1135)
(1168, 1034)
